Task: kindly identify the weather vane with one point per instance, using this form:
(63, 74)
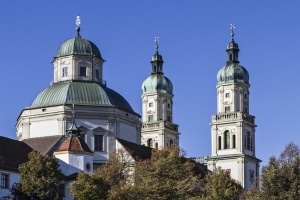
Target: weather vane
(156, 39)
(232, 27)
(78, 25)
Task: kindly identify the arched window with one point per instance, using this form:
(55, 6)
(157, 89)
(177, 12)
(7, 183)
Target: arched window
(226, 140)
(219, 142)
(156, 145)
(171, 142)
(150, 143)
(233, 142)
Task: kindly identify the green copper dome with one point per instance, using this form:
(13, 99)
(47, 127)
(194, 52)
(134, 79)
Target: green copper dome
(78, 46)
(157, 83)
(80, 93)
(232, 73)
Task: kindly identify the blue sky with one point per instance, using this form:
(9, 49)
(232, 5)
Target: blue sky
(193, 38)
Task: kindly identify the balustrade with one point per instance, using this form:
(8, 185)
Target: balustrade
(159, 124)
(233, 116)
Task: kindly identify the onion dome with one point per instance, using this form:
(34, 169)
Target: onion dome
(157, 82)
(80, 93)
(232, 72)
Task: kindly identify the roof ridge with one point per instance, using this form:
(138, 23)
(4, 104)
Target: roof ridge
(69, 145)
(48, 150)
(80, 144)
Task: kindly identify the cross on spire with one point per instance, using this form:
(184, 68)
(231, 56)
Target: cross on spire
(156, 39)
(77, 22)
(232, 27)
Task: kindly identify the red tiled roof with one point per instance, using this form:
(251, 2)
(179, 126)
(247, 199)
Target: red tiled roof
(13, 153)
(74, 144)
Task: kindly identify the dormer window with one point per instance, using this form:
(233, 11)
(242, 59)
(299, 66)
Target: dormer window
(65, 71)
(82, 71)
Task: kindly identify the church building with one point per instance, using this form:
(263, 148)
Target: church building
(81, 121)
(158, 129)
(233, 128)
(101, 113)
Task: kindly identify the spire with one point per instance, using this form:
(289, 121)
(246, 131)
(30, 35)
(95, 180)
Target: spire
(156, 39)
(232, 48)
(232, 27)
(73, 130)
(157, 61)
(77, 22)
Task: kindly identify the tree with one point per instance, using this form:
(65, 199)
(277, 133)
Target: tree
(166, 175)
(105, 180)
(219, 185)
(281, 177)
(89, 187)
(40, 178)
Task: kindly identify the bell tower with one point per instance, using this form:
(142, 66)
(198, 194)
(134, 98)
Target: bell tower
(233, 128)
(158, 129)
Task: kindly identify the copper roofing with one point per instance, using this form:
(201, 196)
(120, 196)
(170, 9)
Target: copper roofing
(78, 46)
(74, 144)
(80, 93)
(233, 73)
(157, 83)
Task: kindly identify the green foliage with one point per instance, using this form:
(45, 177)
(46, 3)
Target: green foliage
(107, 179)
(167, 175)
(220, 186)
(280, 179)
(16, 191)
(39, 178)
(89, 187)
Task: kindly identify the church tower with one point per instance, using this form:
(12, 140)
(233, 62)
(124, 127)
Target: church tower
(233, 128)
(158, 130)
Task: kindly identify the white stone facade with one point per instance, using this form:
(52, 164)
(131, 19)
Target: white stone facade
(13, 177)
(233, 135)
(72, 68)
(109, 122)
(158, 130)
